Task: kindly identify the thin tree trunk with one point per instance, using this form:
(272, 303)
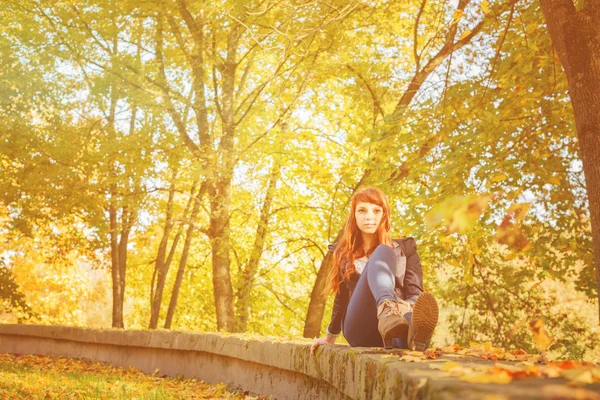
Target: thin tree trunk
(117, 295)
(249, 272)
(184, 256)
(160, 266)
(118, 280)
(576, 37)
(126, 223)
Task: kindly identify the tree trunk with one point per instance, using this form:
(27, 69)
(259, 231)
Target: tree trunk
(318, 299)
(116, 250)
(117, 279)
(160, 265)
(219, 232)
(126, 223)
(247, 278)
(219, 235)
(576, 37)
(184, 256)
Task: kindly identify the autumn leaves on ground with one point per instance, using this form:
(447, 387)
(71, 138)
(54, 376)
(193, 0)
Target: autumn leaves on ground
(28, 377)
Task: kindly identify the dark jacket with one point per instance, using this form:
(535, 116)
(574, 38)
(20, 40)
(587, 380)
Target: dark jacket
(409, 288)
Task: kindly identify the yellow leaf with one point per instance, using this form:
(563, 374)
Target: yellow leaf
(499, 178)
(577, 376)
(485, 6)
(478, 377)
(464, 34)
(448, 365)
(457, 16)
(528, 363)
(411, 359)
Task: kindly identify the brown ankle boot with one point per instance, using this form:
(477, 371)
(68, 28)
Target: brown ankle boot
(391, 321)
(424, 319)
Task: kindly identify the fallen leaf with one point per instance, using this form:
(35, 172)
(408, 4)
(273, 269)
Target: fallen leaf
(489, 356)
(411, 359)
(567, 364)
(433, 354)
(448, 365)
(451, 349)
(501, 377)
(577, 376)
(551, 371)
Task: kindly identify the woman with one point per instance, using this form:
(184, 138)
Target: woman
(378, 283)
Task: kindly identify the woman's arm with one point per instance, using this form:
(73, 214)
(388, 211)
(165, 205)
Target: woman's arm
(337, 314)
(413, 279)
(340, 303)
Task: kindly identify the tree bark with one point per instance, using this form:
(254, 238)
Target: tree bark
(318, 299)
(576, 38)
(116, 250)
(220, 190)
(117, 279)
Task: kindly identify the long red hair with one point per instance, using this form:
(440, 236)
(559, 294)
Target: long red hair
(349, 247)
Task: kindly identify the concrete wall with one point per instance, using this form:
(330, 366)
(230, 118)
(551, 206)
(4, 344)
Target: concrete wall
(270, 367)
(285, 370)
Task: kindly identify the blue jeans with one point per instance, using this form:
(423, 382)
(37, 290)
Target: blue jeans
(375, 285)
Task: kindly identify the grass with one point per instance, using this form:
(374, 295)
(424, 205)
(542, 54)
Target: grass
(43, 377)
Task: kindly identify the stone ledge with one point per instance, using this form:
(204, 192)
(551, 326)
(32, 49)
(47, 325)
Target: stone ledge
(284, 370)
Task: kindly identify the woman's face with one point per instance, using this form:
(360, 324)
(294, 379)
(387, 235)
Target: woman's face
(368, 217)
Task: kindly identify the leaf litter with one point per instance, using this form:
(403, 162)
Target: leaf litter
(46, 377)
(523, 366)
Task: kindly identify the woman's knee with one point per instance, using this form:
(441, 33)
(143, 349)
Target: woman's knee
(384, 255)
(384, 252)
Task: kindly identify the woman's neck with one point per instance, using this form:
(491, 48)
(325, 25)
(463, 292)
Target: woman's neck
(368, 240)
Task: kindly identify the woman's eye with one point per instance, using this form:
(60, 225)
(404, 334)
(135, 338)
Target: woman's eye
(377, 211)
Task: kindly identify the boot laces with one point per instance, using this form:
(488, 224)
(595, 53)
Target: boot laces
(392, 308)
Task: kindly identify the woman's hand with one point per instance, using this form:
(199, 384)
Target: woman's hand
(320, 341)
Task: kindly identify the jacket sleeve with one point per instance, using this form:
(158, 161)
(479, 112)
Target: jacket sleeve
(413, 279)
(340, 304)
